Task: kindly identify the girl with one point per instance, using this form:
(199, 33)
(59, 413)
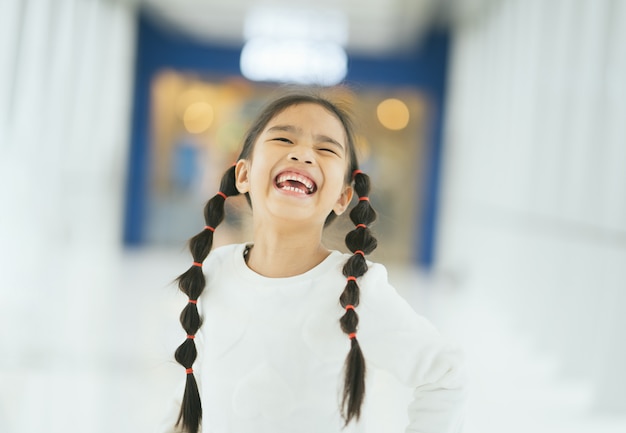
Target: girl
(291, 329)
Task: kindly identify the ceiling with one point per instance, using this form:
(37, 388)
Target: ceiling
(374, 26)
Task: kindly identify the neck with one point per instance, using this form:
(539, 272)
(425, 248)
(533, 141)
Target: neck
(280, 253)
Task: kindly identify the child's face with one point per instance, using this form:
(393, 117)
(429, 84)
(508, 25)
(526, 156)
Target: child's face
(298, 166)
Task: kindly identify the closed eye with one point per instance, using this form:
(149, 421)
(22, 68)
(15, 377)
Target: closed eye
(283, 139)
(325, 149)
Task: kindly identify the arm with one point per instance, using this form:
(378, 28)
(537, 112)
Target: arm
(438, 401)
(396, 339)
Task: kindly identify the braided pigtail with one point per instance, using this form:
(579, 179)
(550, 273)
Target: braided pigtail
(192, 283)
(360, 242)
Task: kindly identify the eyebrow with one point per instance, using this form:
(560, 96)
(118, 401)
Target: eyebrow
(320, 138)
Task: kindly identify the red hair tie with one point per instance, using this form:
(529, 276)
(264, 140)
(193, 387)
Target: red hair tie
(352, 335)
(364, 198)
(351, 278)
(355, 172)
(359, 252)
(349, 307)
(189, 371)
(191, 337)
(209, 228)
(224, 196)
(363, 226)
(193, 301)
(197, 264)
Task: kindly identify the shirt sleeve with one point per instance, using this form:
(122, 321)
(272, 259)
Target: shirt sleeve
(170, 414)
(395, 338)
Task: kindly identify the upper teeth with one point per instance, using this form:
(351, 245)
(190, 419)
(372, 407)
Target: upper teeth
(296, 177)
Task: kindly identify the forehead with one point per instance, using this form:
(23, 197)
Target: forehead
(310, 118)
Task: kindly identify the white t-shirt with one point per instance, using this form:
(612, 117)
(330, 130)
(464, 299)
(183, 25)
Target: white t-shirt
(272, 353)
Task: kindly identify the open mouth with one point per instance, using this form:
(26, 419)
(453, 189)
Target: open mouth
(294, 182)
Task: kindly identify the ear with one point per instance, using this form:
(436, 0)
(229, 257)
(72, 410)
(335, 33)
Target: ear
(242, 171)
(344, 200)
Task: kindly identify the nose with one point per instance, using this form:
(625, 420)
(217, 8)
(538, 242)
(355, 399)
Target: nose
(302, 154)
(300, 159)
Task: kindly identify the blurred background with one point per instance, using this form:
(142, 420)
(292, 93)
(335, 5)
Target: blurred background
(494, 131)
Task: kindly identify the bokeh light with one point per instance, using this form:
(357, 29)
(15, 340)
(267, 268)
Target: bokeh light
(198, 117)
(393, 114)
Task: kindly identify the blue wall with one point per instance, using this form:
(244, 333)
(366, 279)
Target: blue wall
(158, 48)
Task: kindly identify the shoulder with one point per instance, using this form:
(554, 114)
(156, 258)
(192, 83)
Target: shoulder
(223, 254)
(374, 282)
(376, 291)
(385, 312)
(380, 299)
(395, 337)
(376, 271)
(223, 260)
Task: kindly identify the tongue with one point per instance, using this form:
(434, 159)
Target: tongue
(294, 184)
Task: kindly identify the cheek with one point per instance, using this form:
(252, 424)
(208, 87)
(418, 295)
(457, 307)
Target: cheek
(263, 161)
(342, 173)
(338, 185)
(260, 179)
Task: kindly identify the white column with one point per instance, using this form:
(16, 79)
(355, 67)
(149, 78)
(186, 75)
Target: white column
(65, 95)
(534, 206)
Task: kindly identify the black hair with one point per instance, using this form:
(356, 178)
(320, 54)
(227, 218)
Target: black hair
(359, 241)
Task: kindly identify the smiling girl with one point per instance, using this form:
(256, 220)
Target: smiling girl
(289, 328)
